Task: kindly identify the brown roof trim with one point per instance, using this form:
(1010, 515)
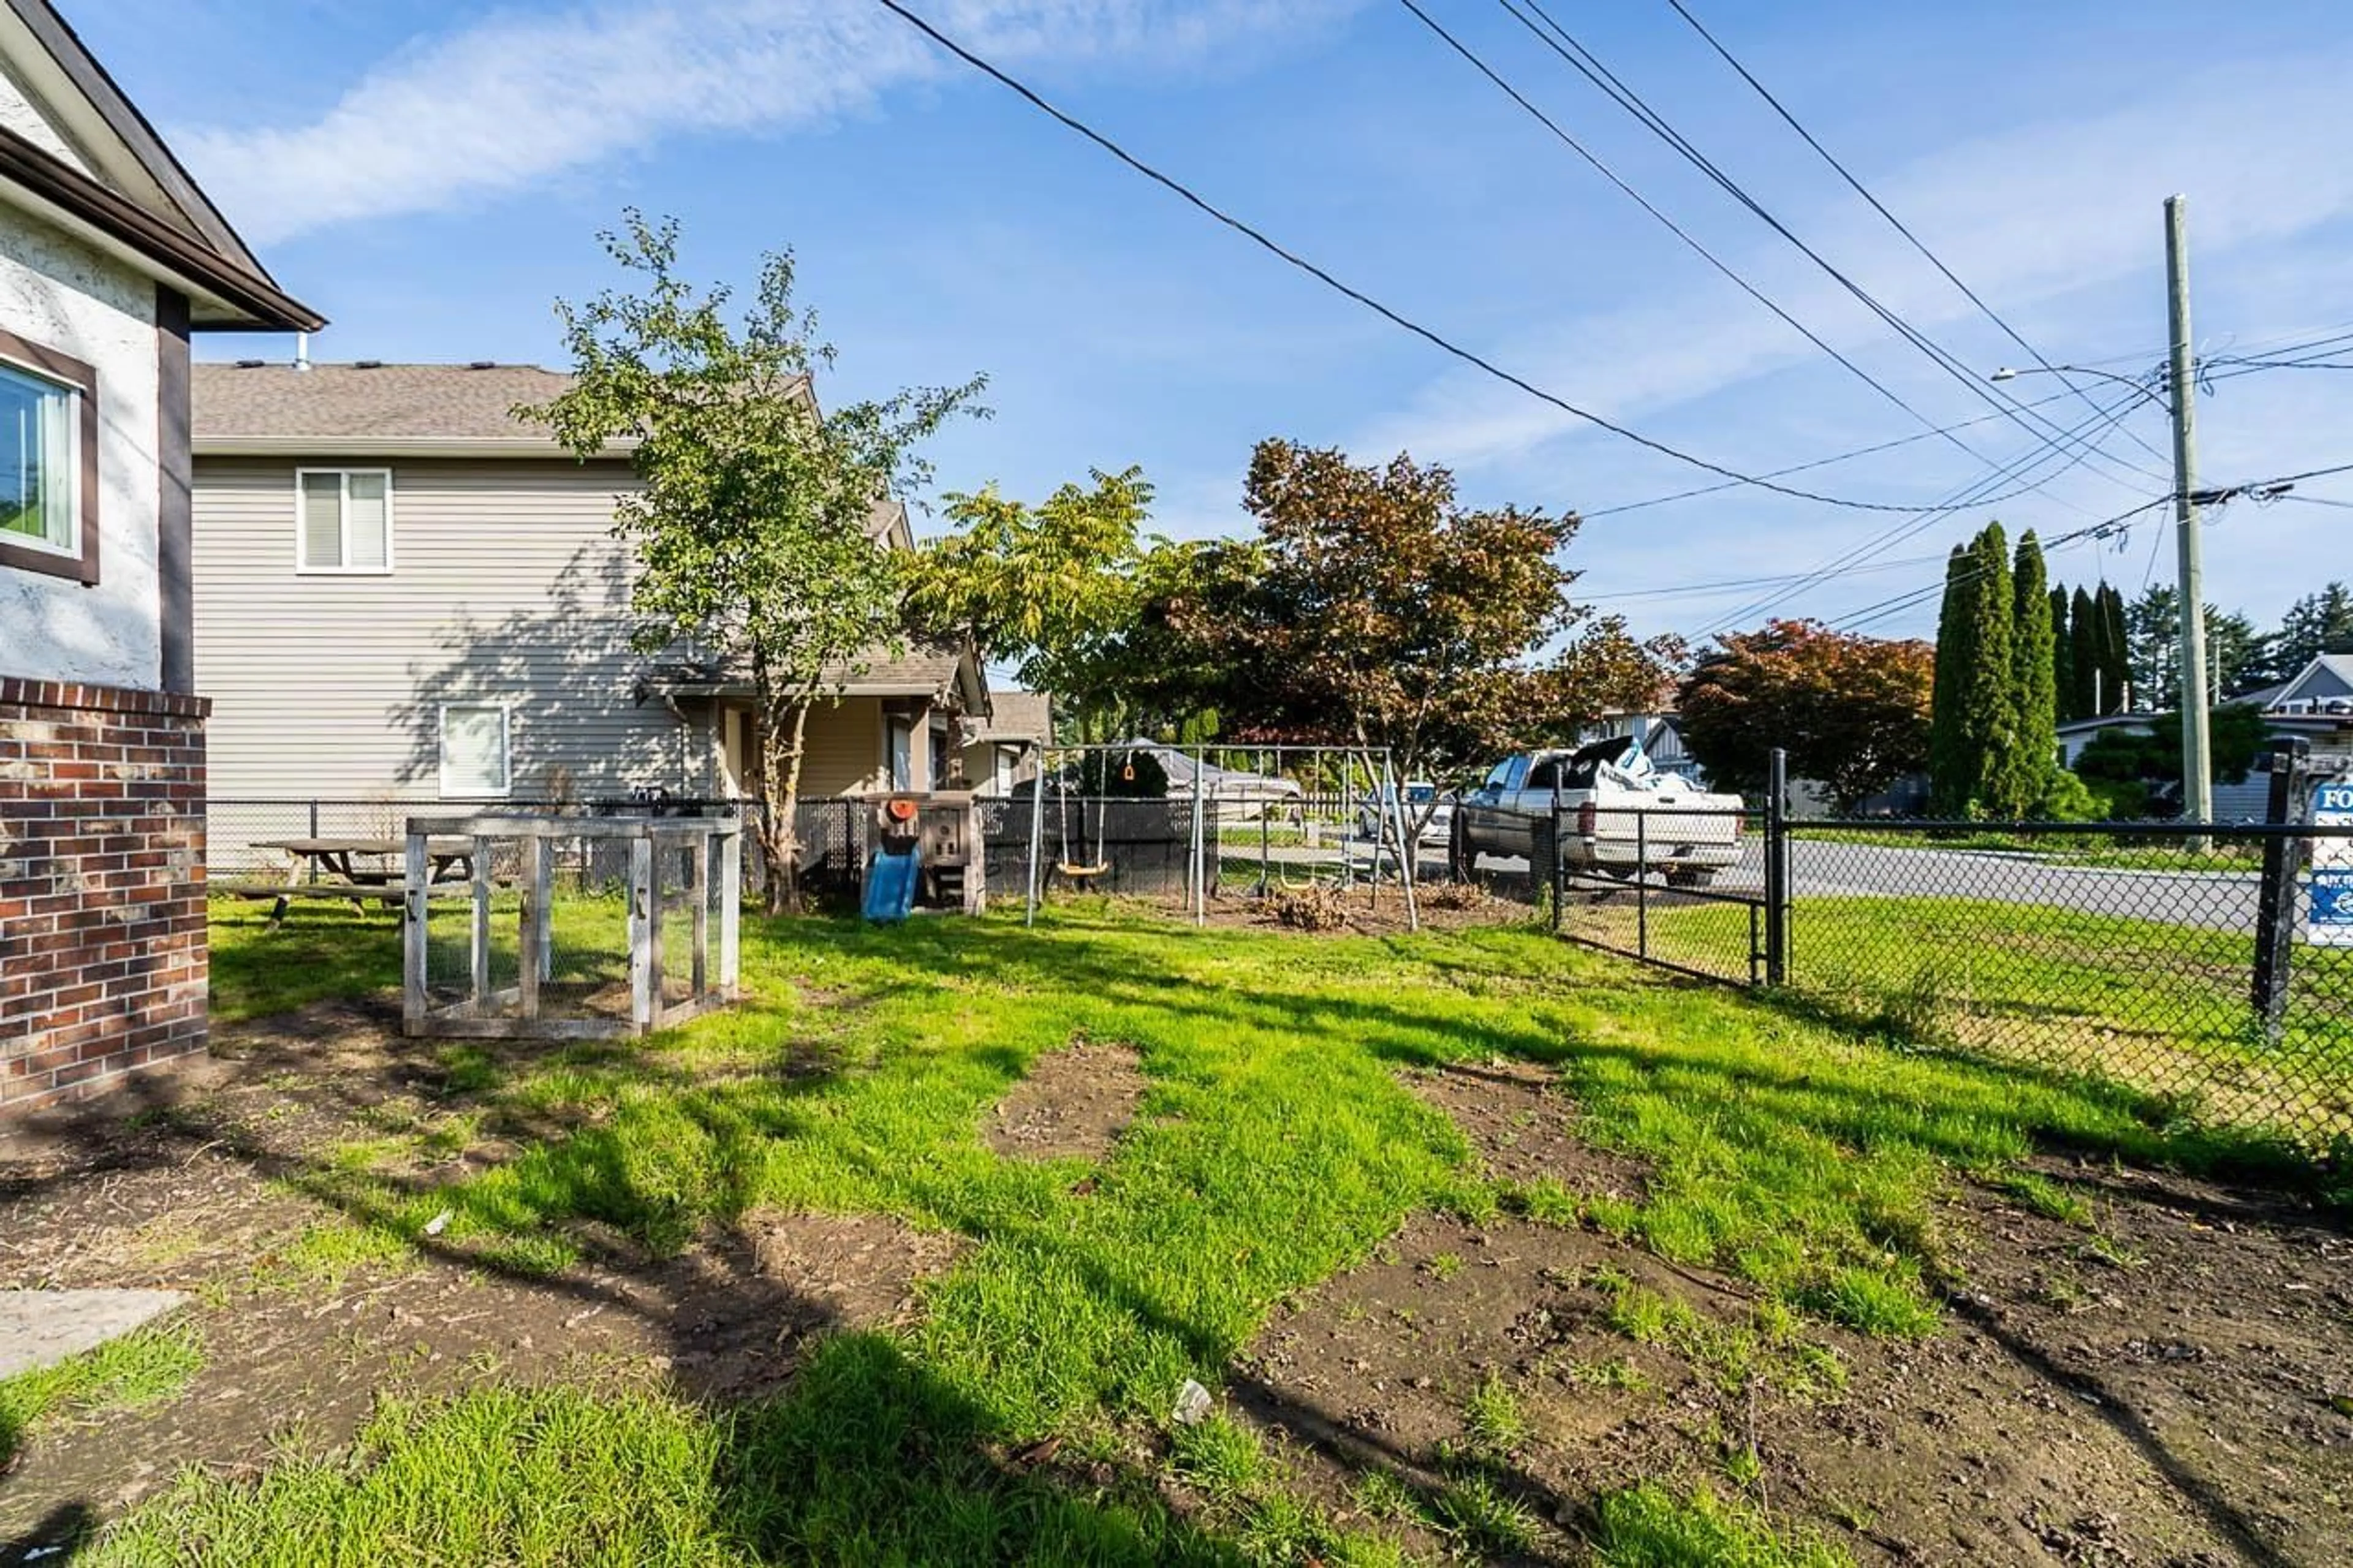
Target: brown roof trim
(89, 76)
(263, 304)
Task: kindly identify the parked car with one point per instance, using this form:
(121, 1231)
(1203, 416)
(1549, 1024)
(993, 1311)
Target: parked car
(1618, 815)
(1418, 796)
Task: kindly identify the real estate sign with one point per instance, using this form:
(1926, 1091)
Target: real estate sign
(2331, 924)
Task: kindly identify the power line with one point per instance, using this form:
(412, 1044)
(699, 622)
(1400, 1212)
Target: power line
(1561, 42)
(1607, 173)
(2253, 489)
(1872, 614)
(1816, 463)
(1698, 590)
(1881, 208)
(2236, 368)
(1969, 496)
(1429, 335)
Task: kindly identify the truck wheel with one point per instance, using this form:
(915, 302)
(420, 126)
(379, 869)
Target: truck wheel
(1690, 876)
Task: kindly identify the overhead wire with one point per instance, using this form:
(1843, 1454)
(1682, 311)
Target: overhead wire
(1915, 436)
(1395, 317)
(1561, 42)
(1976, 494)
(2214, 499)
(1870, 614)
(1881, 208)
(1681, 232)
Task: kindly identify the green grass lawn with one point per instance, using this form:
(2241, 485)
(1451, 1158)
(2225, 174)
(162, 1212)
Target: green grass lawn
(1277, 1146)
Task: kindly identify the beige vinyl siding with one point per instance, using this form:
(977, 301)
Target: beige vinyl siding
(507, 587)
(843, 749)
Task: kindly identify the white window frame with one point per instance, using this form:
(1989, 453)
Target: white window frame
(506, 750)
(74, 395)
(303, 568)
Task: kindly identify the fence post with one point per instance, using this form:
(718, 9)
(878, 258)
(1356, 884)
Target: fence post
(1200, 843)
(2275, 904)
(413, 935)
(1037, 832)
(1641, 884)
(314, 833)
(1777, 869)
(1557, 874)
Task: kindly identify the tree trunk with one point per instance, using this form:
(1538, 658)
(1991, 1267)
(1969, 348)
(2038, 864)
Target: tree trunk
(784, 721)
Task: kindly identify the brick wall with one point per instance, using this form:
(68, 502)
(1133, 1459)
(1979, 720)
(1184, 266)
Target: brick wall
(101, 884)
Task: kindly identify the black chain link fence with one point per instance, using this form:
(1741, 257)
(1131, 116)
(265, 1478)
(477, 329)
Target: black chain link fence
(2144, 954)
(1680, 888)
(2180, 961)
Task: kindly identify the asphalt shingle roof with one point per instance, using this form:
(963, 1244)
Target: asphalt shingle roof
(388, 402)
(1019, 715)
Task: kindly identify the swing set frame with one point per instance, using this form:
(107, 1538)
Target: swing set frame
(1366, 768)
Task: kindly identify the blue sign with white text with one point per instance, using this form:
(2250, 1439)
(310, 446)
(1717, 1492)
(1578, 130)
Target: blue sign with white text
(2331, 922)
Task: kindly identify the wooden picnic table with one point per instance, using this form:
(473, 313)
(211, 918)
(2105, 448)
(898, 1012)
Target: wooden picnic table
(380, 861)
(358, 869)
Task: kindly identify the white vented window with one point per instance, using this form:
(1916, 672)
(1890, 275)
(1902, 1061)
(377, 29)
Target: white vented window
(474, 760)
(342, 520)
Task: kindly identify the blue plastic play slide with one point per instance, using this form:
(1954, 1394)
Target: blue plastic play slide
(891, 884)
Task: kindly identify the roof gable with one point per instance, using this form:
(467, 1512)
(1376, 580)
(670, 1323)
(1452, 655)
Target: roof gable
(2327, 676)
(75, 150)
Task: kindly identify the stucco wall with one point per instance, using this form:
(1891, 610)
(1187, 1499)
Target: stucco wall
(55, 292)
(18, 113)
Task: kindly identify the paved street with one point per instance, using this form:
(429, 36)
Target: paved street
(1830, 868)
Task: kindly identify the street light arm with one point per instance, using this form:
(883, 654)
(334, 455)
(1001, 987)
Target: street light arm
(2138, 383)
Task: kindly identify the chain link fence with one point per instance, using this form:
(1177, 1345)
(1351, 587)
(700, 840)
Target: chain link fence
(1683, 888)
(2144, 954)
(2182, 961)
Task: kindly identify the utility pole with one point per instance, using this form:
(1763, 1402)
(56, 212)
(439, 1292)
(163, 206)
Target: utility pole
(2197, 774)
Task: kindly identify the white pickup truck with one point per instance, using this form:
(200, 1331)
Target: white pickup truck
(1616, 813)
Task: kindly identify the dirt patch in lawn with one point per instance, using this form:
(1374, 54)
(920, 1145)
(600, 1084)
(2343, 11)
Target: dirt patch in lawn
(2162, 1388)
(1521, 1127)
(855, 1270)
(1073, 1104)
(188, 1180)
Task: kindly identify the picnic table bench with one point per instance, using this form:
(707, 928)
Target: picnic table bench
(355, 871)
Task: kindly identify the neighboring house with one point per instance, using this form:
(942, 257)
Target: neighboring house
(109, 257)
(406, 594)
(1002, 750)
(1661, 736)
(2316, 706)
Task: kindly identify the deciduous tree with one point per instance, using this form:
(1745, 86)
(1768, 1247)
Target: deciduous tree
(1058, 590)
(1851, 711)
(1374, 610)
(754, 523)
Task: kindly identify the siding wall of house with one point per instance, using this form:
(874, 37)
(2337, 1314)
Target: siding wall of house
(506, 588)
(844, 745)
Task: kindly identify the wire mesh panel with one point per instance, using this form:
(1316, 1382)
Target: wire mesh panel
(1679, 887)
(1337, 839)
(2132, 952)
(567, 926)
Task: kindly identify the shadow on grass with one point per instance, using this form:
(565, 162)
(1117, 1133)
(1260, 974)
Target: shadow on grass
(866, 1454)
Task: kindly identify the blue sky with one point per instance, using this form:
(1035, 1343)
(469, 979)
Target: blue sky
(432, 175)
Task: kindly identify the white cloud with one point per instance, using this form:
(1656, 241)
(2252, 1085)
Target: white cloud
(519, 98)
